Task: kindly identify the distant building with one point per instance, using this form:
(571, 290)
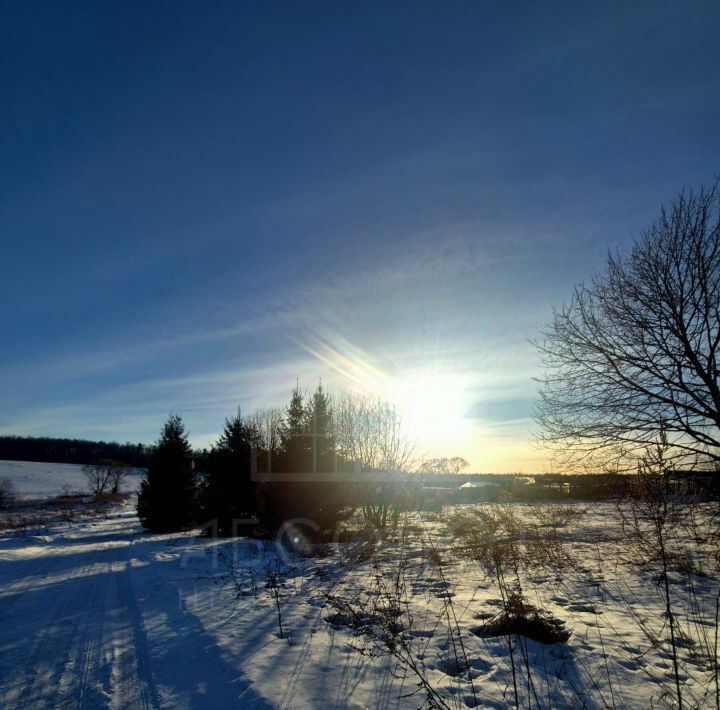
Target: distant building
(477, 491)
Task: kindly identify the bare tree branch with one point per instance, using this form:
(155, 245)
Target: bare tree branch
(637, 348)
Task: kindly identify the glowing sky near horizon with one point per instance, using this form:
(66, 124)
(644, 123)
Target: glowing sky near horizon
(202, 204)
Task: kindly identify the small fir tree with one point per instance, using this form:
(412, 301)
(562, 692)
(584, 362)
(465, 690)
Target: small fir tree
(228, 491)
(296, 445)
(321, 425)
(167, 499)
(321, 501)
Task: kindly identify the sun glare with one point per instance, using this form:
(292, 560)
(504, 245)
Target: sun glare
(432, 406)
(431, 401)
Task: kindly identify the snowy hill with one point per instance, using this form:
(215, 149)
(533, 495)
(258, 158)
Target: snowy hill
(34, 479)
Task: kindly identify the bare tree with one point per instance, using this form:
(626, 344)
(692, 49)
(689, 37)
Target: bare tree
(443, 465)
(370, 432)
(105, 476)
(98, 477)
(651, 526)
(117, 475)
(356, 430)
(268, 422)
(635, 351)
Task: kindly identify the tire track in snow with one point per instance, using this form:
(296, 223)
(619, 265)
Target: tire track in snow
(79, 640)
(142, 679)
(42, 672)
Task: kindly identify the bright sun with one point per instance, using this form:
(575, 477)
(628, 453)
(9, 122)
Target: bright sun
(432, 402)
(432, 405)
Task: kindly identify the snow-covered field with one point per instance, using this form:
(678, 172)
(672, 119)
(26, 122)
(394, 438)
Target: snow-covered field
(93, 613)
(45, 480)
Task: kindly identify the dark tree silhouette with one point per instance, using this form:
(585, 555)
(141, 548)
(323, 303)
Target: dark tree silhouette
(56, 450)
(167, 499)
(320, 416)
(319, 502)
(295, 442)
(228, 491)
(635, 352)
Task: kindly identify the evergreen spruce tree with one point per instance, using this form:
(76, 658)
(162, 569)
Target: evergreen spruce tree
(167, 499)
(228, 491)
(320, 421)
(295, 443)
(319, 500)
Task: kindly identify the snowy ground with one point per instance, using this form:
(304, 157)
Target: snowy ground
(93, 613)
(32, 479)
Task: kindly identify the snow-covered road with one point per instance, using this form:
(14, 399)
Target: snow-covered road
(86, 621)
(70, 630)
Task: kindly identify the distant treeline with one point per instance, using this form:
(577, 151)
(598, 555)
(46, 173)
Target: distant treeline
(54, 450)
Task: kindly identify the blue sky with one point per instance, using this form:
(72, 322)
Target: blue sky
(202, 202)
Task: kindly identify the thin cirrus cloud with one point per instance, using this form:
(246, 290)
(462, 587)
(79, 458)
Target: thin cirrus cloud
(204, 205)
